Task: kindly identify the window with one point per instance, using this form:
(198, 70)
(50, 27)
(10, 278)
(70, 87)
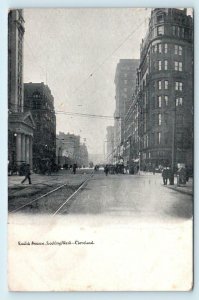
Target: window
(159, 101)
(147, 141)
(166, 84)
(176, 49)
(173, 30)
(159, 138)
(160, 30)
(159, 65)
(178, 86)
(178, 29)
(159, 119)
(160, 48)
(166, 64)
(180, 66)
(166, 99)
(156, 48)
(179, 101)
(159, 84)
(182, 32)
(125, 81)
(165, 48)
(160, 18)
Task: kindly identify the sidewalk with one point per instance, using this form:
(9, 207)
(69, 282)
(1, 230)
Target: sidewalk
(183, 188)
(42, 183)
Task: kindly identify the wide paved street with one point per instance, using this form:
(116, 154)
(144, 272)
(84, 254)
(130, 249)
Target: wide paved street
(138, 196)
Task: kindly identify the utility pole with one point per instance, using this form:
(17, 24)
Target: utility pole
(173, 159)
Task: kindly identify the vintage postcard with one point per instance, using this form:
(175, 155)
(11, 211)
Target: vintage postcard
(100, 149)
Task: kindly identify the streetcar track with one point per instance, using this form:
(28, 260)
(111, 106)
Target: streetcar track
(50, 192)
(71, 196)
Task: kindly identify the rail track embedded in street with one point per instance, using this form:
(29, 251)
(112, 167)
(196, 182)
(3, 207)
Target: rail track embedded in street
(51, 192)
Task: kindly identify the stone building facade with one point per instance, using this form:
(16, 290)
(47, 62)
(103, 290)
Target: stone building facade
(39, 100)
(165, 90)
(20, 122)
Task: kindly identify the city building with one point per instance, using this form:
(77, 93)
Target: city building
(67, 149)
(165, 90)
(20, 122)
(110, 144)
(131, 138)
(125, 81)
(39, 100)
(83, 155)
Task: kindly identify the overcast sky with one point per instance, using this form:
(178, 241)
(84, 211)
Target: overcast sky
(62, 47)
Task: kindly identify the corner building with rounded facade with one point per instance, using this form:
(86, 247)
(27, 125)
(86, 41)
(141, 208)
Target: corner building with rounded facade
(165, 89)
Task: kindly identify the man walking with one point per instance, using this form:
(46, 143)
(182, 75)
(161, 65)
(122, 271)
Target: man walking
(106, 170)
(27, 174)
(165, 176)
(74, 168)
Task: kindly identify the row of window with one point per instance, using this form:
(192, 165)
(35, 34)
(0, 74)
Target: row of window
(177, 65)
(163, 48)
(160, 138)
(178, 31)
(179, 101)
(165, 85)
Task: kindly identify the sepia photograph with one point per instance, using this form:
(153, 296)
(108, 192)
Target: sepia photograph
(100, 149)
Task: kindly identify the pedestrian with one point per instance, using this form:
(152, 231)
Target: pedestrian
(27, 174)
(74, 168)
(106, 170)
(170, 176)
(165, 175)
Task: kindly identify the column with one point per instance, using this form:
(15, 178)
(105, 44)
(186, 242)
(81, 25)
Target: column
(23, 157)
(30, 151)
(27, 149)
(18, 148)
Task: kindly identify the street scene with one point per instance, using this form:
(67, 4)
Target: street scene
(143, 196)
(100, 146)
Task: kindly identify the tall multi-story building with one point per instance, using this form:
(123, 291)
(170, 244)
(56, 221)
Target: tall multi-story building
(68, 149)
(20, 122)
(39, 100)
(125, 81)
(165, 93)
(110, 144)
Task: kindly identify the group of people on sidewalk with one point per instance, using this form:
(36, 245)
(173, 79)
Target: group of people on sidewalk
(168, 174)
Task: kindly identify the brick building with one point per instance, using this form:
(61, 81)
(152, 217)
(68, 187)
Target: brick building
(67, 149)
(165, 89)
(20, 122)
(125, 81)
(39, 100)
